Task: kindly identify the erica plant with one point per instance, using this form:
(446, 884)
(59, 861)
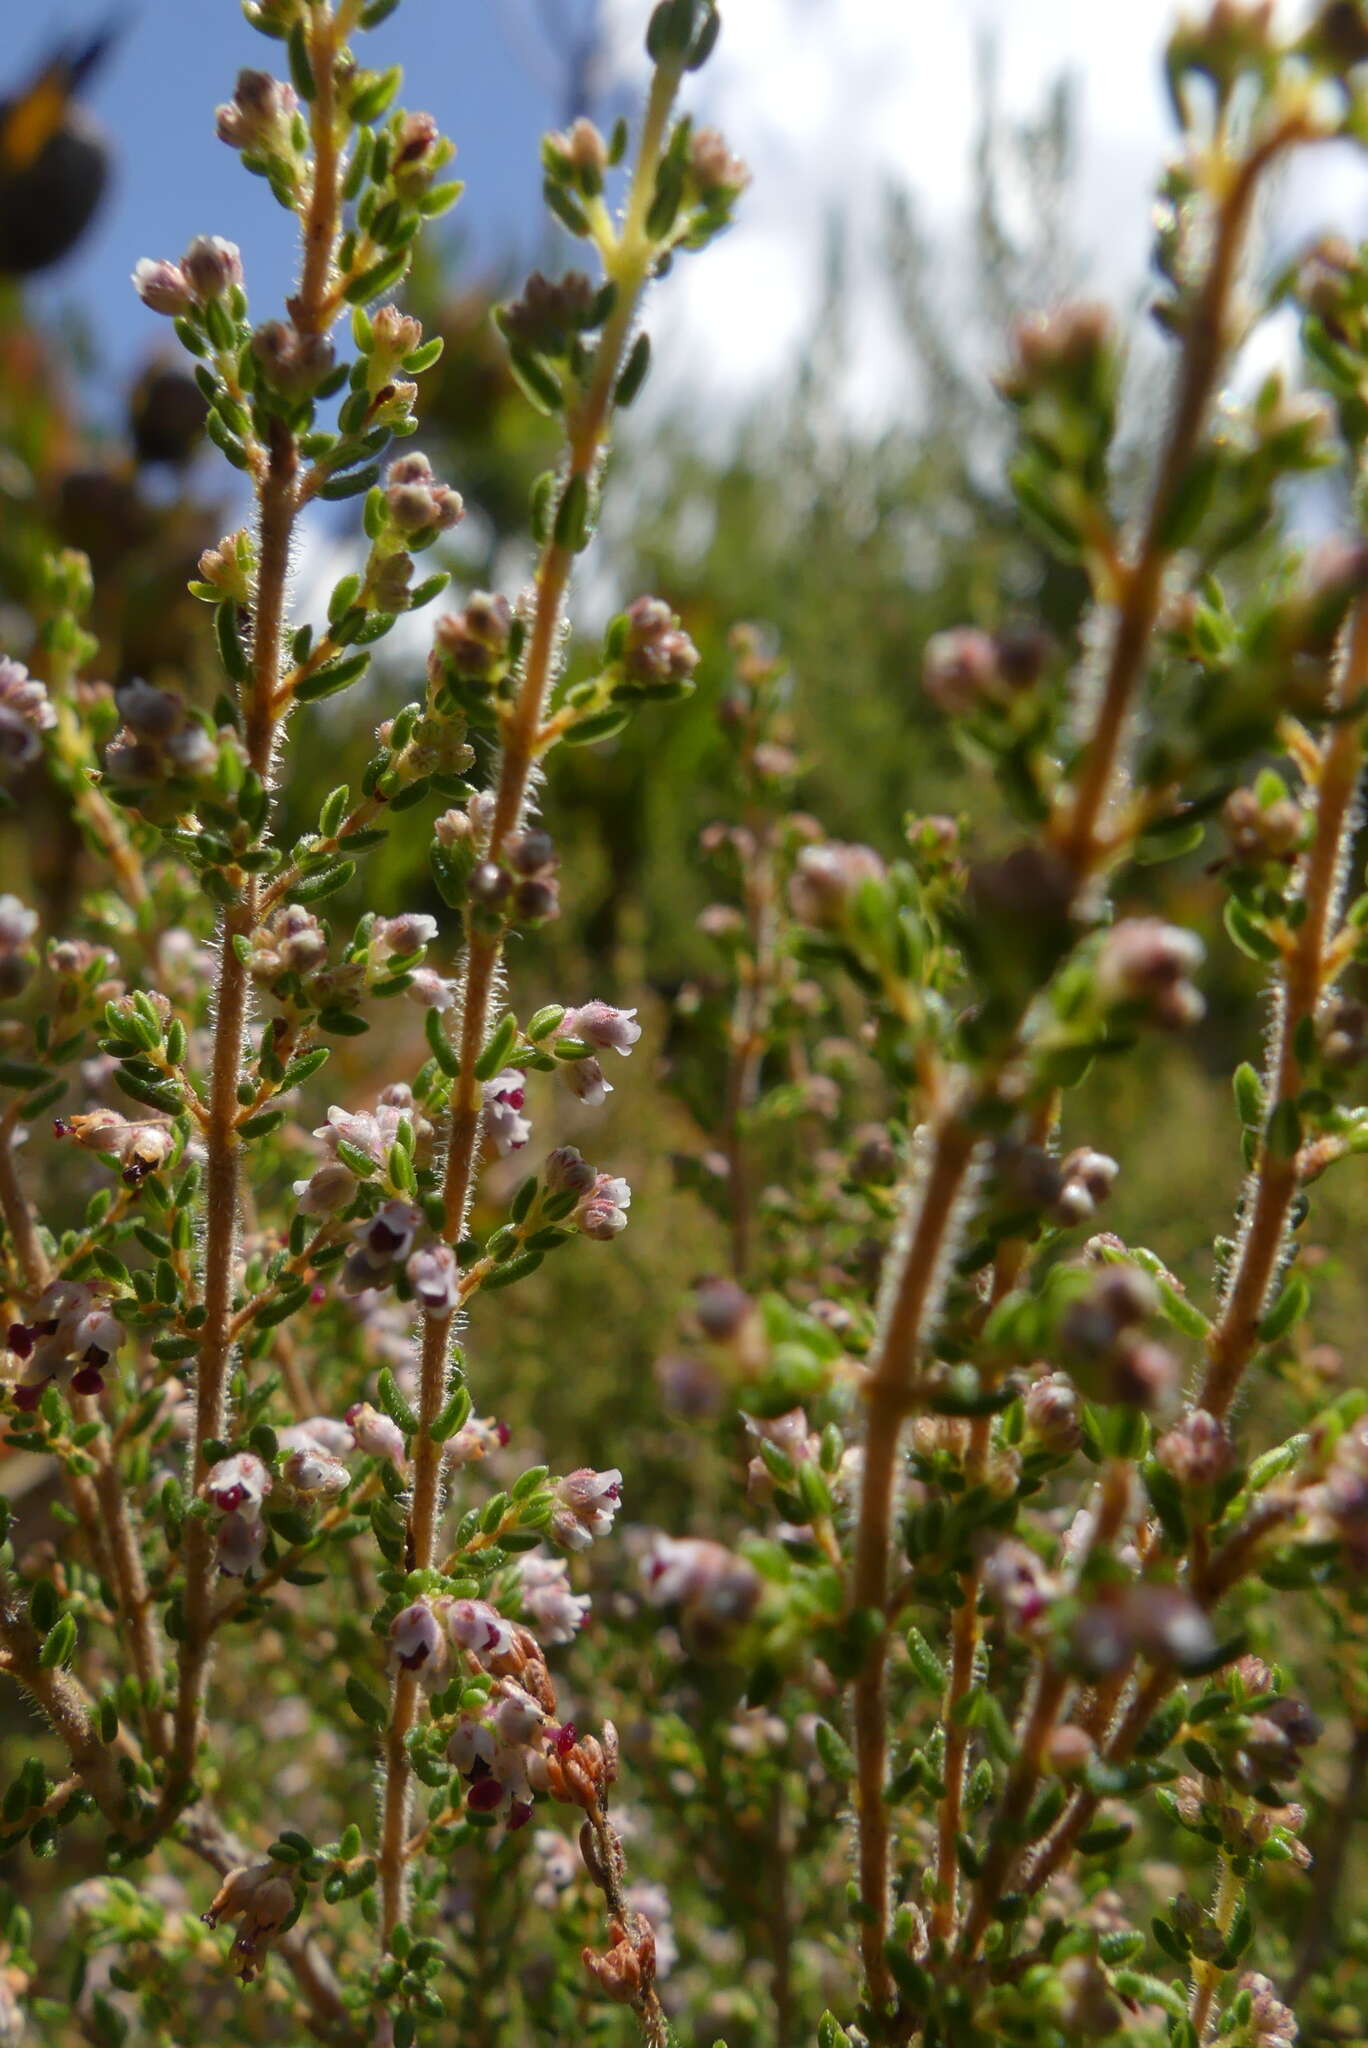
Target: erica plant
(994, 1669)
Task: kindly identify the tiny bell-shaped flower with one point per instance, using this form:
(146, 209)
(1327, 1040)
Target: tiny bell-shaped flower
(601, 1025)
(585, 1504)
(602, 1212)
(261, 1899)
(419, 1644)
(377, 1435)
(507, 1129)
(554, 1613)
(238, 1482)
(435, 1279)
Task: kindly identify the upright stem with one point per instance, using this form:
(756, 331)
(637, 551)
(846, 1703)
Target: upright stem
(1276, 1177)
(519, 735)
(222, 1191)
(887, 1392)
(1206, 1978)
(278, 506)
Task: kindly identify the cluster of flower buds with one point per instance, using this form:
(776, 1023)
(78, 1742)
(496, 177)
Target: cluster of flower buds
(1146, 966)
(1336, 1503)
(965, 670)
(69, 1340)
(140, 1145)
(627, 1968)
(226, 570)
(237, 1486)
(26, 713)
(715, 177)
(262, 122)
(417, 506)
(210, 269)
(1257, 832)
(289, 362)
(1087, 1179)
(826, 880)
(18, 957)
(550, 317)
(1102, 1335)
(522, 884)
(260, 1897)
(578, 158)
(656, 654)
(159, 742)
(475, 644)
(1197, 1451)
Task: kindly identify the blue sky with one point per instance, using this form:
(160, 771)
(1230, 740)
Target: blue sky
(476, 64)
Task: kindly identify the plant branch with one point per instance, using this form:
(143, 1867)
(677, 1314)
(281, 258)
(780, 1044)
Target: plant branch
(630, 263)
(1234, 1336)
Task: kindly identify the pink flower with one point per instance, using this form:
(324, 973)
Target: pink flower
(554, 1613)
(241, 1541)
(418, 1644)
(435, 1279)
(600, 1025)
(504, 1125)
(237, 1482)
(602, 1213)
(586, 1079)
(377, 1435)
(586, 1502)
(476, 1626)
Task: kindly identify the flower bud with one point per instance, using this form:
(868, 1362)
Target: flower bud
(163, 287)
(212, 267)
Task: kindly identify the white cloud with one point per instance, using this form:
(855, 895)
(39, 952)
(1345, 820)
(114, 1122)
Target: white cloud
(833, 101)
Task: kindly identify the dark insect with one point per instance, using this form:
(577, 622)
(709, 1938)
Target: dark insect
(54, 160)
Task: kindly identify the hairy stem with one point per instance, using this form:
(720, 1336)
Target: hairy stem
(520, 731)
(1234, 1336)
(222, 1190)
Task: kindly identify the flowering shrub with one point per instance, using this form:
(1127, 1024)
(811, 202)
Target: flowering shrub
(1019, 1590)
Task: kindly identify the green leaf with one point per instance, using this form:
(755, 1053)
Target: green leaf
(365, 1705)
